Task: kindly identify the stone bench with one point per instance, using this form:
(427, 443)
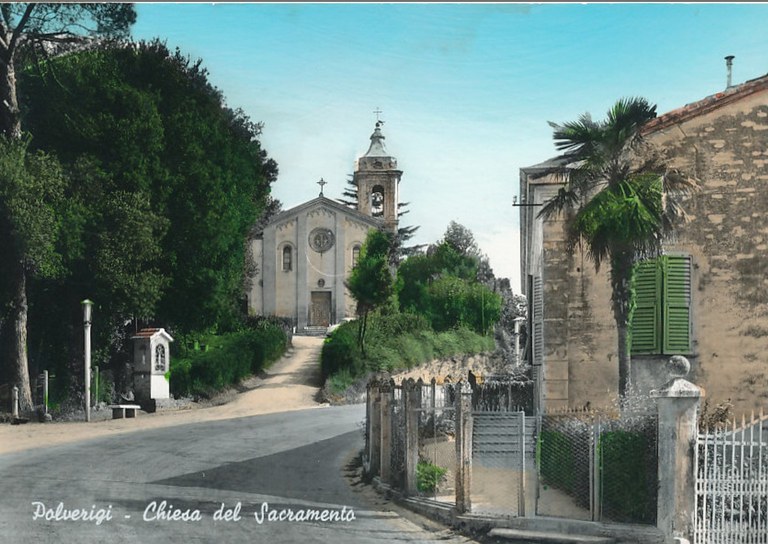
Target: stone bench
(120, 411)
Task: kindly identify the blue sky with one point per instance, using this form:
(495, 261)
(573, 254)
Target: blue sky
(466, 90)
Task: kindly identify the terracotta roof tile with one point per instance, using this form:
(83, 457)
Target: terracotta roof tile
(146, 333)
(707, 104)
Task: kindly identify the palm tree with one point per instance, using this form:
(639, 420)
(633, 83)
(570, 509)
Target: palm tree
(619, 195)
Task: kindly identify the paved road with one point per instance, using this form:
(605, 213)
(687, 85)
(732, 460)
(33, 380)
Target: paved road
(292, 461)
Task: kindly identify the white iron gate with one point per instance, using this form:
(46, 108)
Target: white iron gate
(503, 466)
(732, 484)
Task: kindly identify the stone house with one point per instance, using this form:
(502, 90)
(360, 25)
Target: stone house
(305, 254)
(705, 298)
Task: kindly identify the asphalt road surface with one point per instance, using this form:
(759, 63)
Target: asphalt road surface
(281, 478)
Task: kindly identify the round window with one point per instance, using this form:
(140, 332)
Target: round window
(321, 239)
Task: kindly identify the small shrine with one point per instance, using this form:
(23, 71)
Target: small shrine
(151, 365)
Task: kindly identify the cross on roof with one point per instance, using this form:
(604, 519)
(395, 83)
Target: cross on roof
(377, 111)
(321, 183)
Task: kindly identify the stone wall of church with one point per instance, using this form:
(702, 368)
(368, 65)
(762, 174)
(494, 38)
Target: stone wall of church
(286, 279)
(321, 269)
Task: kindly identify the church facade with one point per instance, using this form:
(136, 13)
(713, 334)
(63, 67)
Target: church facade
(305, 254)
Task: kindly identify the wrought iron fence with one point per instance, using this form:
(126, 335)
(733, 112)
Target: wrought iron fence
(436, 468)
(732, 483)
(598, 467)
(425, 440)
(503, 394)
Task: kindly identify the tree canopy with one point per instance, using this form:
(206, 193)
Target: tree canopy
(443, 284)
(34, 30)
(165, 183)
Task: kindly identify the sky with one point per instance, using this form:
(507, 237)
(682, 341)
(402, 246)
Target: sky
(466, 90)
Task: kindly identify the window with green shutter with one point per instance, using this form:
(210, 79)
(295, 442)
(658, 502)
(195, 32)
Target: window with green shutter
(661, 323)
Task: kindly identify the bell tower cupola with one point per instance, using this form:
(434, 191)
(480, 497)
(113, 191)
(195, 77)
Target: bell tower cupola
(377, 179)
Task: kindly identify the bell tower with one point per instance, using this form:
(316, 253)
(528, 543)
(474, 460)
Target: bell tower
(377, 179)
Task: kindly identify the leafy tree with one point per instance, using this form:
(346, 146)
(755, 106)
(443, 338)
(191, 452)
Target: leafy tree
(444, 284)
(461, 239)
(34, 29)
(371, 282)
(31, 189)
(620, 192)
(454, 302)
(513, 306)
(167, 182)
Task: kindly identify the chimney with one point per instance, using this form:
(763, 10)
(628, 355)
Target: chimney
(729, 69)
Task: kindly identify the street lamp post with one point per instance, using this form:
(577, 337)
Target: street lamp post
(518, 321)
(87, 310)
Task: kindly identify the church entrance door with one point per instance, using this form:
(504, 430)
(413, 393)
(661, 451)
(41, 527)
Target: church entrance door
(320, 311)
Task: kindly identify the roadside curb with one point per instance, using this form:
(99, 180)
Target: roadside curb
(503, 529)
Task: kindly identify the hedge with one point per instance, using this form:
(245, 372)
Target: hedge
(234, 357)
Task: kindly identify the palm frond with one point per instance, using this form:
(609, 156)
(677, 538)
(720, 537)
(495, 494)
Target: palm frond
(577, 138)
(623, 123)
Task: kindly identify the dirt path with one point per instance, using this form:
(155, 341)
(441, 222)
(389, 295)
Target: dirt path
(292, 383)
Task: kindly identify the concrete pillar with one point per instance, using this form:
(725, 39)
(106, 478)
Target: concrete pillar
(412, 407)
(433, 391)
(463, 407)
(385, 448)
(15, 401)
(45, 391)
(374, 439)
(678, 404)
(367, 450)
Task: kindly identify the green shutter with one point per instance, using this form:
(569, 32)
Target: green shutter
(677, 304)
(538, 321)
(646, 319)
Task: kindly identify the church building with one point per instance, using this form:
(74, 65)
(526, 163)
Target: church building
(305, 254)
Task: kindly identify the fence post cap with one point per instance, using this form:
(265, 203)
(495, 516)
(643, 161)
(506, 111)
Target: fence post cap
(678, 366)
(678, 388)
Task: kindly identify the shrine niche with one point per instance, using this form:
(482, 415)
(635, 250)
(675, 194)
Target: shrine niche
(151, 364)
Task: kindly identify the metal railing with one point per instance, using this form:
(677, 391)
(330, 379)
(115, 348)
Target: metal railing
(732, 483)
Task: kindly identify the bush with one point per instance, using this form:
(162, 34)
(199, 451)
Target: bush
(556, 459)
(340, 351)
(629, 487)
(230, 358)
(428, 476)
(396, 341)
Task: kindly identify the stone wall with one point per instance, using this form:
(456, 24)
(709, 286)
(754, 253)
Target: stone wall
(580, 367)
(727, 238)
